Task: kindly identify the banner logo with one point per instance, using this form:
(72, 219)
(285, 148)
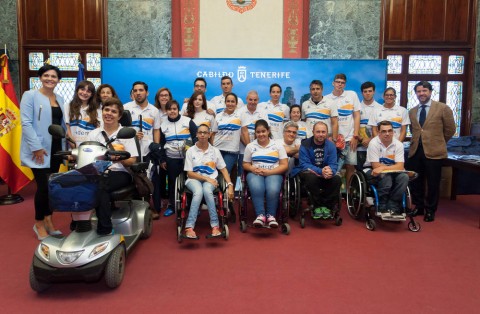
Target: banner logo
(242, 74)
(241, 5)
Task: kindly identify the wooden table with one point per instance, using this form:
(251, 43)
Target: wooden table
(459, 164)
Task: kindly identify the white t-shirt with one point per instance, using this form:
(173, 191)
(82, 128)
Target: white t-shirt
(229, 130)
(302, 130)
(81, 127)
(248, 120)
(176, 134)
(205, 118)
(323, 111)
(204, 163)
(365, 114)
(267, 157)
(127, 145)
(277, 115)
(150, 121)
(219, 102)
(397, 115)
(377, 152)
(347, 103)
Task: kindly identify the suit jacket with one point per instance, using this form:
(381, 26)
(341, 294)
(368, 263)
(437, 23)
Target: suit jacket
(438, 128)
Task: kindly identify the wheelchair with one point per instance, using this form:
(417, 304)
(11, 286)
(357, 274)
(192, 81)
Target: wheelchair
(362, 198)
(297, 193)
(183, 198)
(243, 205)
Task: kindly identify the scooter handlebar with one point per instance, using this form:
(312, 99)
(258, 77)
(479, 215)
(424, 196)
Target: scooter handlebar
(122, 155)
(63, 153)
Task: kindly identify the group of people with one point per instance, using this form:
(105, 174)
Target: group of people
(267, 140)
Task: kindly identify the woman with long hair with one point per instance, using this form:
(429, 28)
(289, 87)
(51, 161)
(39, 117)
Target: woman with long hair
(265, 161)
(82, 115)
(197, 111)
(39, 109)
(162, 97)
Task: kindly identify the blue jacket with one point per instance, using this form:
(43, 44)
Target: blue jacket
(307, 157)
(36, 115)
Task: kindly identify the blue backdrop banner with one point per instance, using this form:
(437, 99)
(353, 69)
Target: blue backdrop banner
(294, 75)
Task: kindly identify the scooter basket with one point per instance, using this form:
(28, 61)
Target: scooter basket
(75, 190)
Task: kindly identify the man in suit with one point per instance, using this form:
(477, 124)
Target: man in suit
(432, 125)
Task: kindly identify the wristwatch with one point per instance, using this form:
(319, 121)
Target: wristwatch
(229, 183)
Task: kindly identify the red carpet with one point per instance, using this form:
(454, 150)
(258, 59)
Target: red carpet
(322, 268)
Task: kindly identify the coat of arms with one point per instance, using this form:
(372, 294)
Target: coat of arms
(241, 5)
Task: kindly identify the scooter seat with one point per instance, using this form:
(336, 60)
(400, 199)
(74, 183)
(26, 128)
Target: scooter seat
(123, 192)
(139, 166)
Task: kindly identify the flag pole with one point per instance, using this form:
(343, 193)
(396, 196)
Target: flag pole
(10, 198)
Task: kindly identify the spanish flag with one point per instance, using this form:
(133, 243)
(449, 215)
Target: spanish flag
(11, 170)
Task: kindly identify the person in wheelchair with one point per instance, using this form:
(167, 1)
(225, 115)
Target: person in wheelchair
(291, 143)
(201, 163)
(385, 156)
(317, 168)
(118, 176)
(265, 161)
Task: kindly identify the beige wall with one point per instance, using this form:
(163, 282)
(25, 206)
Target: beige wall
(225, 33)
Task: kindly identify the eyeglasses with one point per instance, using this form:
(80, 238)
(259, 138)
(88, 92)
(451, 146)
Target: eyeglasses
(164, 95)
(390, 95)
(203, 132)
(386, 131)
(340, 82)
(289, 131)
(199, 86)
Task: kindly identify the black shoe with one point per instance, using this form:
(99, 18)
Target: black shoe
(429, 217)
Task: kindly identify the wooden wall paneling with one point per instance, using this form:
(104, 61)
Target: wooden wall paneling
(396, 14)
(34, 20)
(428, 20)
(93, 26)
(67, 19)
(457, 26)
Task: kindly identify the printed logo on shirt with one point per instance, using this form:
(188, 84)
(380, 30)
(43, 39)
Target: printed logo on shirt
(388, 160)
(233, 125)
(319, 114)
(345, 110)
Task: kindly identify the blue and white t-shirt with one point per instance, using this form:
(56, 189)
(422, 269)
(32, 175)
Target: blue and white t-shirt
(204, 163)
(267, 157)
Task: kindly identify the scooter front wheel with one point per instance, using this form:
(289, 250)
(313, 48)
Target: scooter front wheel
(36, 285)
(115, 268)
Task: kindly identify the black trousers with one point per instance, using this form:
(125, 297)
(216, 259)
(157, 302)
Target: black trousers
(429, 170)
(174, 168)
(41, 201)
(331, 189)
(114, 181)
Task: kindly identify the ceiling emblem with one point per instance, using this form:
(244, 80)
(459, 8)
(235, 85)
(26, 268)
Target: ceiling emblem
(241, 5)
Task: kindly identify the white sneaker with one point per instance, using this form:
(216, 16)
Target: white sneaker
(272, 222)
(259, 221)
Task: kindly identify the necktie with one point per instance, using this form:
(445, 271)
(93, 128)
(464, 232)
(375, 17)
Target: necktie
(423, 115)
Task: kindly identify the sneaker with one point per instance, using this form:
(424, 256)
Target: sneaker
(169, 211)
(259, 221)
(326, 213)
(272, 222)
(317, 213)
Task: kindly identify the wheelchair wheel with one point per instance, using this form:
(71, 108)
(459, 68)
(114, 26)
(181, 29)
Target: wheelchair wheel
(356, 195)
(179, 234)
(414, 226)
(302, 222)
(370, 224)
(243, 226)
(286, 229)
(226, 231)
(338, 221)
